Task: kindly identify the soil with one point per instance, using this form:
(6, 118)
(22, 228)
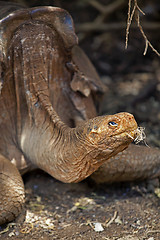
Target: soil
(128, 211)
(55, 210)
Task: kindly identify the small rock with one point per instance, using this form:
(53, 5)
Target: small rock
(98, 227)
(138, 222)
(157, 192)
(48, 221)
(118, 220)
(11, 234)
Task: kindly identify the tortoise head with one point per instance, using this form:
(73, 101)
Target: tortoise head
(110, 134)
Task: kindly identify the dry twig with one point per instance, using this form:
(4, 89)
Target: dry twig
(117, 26)
(109, 8)
(111, 220)
(105, 11)
(136, 12)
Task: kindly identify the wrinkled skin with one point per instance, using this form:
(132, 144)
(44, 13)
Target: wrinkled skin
(48, 96)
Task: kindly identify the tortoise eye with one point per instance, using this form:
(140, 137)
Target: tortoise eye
(113, 124)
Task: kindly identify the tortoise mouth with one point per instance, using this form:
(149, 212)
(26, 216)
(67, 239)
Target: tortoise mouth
(123, 139)
(119, 140)
(137, 135)
(134, 133)
(130, 134)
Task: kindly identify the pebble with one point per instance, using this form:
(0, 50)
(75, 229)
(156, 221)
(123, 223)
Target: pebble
(11, 234)
(98, 227)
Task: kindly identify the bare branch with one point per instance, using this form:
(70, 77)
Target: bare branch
(105, 10)
(135, 12)
(129, 20)
(105, 27)
(109, 8)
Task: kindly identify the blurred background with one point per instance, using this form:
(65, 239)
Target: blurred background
(132, 79)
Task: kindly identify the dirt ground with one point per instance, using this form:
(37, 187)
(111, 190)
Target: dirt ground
(128, 211)
(70, 211)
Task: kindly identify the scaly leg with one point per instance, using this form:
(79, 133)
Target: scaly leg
(11, 191)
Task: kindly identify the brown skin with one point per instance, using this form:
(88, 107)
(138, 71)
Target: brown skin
(135, 163)
(72, 154)
(37, 76)
(46, 91)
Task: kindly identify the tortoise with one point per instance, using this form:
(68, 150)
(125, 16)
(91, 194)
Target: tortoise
(48, 119)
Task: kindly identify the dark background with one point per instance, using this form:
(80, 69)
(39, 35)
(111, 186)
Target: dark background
(133, 79)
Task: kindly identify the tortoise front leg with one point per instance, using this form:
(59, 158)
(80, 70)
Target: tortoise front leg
(11, 191)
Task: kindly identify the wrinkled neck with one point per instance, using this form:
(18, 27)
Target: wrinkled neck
(38, 73)
(59, 150)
